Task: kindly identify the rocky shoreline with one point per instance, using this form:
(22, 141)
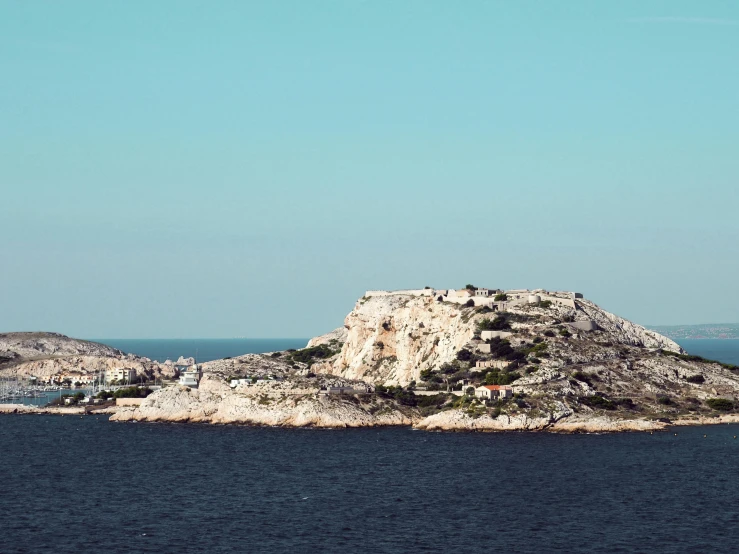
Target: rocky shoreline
(328, 414)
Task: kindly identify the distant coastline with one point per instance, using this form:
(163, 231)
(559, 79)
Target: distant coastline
(702, 331)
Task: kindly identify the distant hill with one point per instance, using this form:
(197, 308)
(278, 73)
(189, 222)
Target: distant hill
(17, 347)
(705, 331)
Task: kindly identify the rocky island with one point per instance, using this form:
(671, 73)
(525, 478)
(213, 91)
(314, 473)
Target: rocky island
(438, 359)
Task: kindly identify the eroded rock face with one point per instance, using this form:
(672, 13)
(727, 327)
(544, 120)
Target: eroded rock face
(337, 335)
(391, 339)
(276, 404)
(625, 331)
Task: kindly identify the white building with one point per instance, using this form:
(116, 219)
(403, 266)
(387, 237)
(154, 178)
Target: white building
(494, 392)
(190, 377)
(122, 374)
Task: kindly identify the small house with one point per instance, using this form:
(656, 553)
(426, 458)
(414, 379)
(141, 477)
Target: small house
(493, 392)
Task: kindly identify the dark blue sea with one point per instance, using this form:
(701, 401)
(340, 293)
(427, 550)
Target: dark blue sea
(204, 349)
(723, 350)
(84, 484)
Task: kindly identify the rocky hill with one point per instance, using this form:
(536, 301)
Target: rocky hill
(553, 361)
(417, 357)
(46, 354)
(393, 338)
(33, 346)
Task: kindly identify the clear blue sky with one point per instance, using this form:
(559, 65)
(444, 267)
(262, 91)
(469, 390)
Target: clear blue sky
(219, 169)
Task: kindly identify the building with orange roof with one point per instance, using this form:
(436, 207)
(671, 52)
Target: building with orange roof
(494, 392)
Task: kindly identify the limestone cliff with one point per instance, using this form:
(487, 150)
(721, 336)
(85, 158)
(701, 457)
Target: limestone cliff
(392, 338)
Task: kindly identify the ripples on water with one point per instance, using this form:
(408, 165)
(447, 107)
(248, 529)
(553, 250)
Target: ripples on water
(73, 484)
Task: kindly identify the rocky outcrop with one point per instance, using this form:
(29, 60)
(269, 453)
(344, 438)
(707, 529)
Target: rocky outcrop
(43, 355)
(624, 331)
(391, 339)
(459, 420)
(561, 422)
(46, 345)
(25, 409)
(71, 365)
(337, 336)
(278, 404)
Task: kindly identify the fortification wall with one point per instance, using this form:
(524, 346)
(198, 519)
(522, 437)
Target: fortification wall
(568, 302)
(409, 292)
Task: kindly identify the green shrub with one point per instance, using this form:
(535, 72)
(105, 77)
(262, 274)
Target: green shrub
(502, 297)
(548, 333)
(309, 355)
(720, 404)
(465, 355)
(697, 379)
(401, 395)
(597, 402)
(449, 368)
(627, 403)
(665, 400)
(470, 303)
(437, 400)
(564, 333)
(132, 392)
(500, 323)
(500, 348)
(470, 287)
(497, 377)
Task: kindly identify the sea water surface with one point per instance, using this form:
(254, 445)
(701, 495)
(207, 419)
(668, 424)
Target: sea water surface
(83, 484)
(723, 350)
(205, 350)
